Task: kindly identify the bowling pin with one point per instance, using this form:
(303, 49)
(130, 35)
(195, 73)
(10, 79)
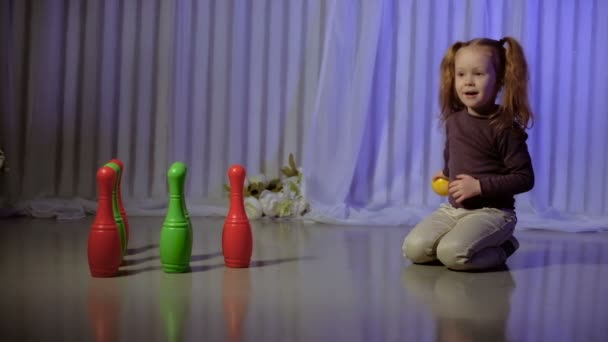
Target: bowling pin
(104, 247)
(237, 241)
(186, 213)
(176, 235)
(123, 212)
(115, 209)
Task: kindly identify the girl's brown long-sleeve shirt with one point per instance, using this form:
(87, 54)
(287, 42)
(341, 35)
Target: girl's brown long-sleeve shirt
(498, 158)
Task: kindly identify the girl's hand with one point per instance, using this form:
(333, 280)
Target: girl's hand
(463, 187)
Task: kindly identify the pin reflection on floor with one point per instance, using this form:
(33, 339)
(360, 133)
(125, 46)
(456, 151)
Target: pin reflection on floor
(175, 300)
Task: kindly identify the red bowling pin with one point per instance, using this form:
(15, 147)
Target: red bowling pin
(237, 242)
(104, 250)
(121, 208)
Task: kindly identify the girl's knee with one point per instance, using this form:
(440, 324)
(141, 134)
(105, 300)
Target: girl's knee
(417, 249)
(452, 255)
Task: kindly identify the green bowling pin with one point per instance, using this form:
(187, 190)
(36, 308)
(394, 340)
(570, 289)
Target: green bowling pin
(176, 234)
(186, 214)
(122, 230)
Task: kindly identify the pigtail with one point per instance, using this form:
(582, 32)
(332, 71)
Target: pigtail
(515, 85)
(448, 99)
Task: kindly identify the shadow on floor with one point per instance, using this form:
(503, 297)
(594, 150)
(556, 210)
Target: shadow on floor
(132, 251)
(262, 263)
(123, 273)
(132, 262)
(205, 256)
(204, 268)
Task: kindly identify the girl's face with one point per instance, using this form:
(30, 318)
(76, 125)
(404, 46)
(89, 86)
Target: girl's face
(475, 79)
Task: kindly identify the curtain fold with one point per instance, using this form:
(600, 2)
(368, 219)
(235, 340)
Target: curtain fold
(349, 87)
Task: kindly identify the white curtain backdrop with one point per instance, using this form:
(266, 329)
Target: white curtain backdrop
(349, 87)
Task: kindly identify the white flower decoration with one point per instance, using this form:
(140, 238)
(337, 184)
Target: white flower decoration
(299, 206)
(283, 196)
(275, 204)
(258, 179)
(253, 207)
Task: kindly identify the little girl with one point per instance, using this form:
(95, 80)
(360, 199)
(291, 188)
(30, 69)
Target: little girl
(486, 157)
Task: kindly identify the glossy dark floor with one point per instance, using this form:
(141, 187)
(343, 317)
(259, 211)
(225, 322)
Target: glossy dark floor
(307, 282)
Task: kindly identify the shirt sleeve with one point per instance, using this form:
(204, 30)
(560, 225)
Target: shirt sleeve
(519, 175)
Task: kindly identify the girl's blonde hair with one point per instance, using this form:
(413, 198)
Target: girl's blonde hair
(511, 75)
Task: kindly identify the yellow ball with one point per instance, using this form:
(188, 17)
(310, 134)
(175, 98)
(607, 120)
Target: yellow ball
(440, 186)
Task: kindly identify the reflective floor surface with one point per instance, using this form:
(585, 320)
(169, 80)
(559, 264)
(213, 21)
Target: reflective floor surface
(307, 282)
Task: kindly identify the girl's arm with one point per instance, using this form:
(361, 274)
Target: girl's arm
(519, 176)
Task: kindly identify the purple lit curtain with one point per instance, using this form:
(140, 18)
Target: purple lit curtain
(349, 87)
(375, 139)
